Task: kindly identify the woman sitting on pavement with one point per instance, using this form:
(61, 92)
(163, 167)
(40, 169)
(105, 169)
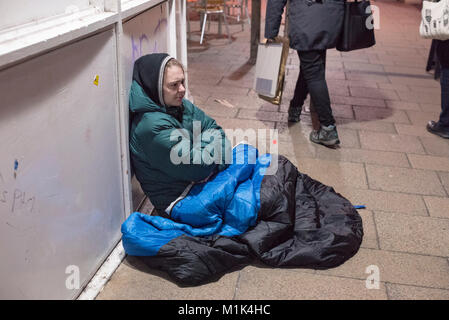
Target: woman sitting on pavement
(261, 208)
(164, 123)
(441, 127)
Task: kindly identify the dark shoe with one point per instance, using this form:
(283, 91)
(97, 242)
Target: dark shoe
(294, 113)
(327, 136)
(438, 129)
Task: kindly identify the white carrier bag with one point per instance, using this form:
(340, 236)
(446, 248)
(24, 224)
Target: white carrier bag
(270, 70)
(267, 69)
(435, 20)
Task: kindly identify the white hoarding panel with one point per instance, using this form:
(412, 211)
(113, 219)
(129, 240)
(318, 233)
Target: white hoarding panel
(61, 203)
(143, 34)
(17, 12)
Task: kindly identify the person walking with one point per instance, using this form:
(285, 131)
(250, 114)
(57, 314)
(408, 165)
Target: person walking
(313, 27)
(441, 127)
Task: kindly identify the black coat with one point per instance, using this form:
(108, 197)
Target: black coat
(443, 52)
(312, 24)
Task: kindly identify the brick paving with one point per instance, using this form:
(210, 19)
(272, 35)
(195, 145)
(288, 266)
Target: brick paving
(382, 98)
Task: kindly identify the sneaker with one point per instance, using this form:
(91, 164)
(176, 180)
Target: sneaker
(327, 136)
(294, 114)
(438, 129)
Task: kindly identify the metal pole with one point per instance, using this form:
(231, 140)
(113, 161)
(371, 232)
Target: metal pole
(255, 30)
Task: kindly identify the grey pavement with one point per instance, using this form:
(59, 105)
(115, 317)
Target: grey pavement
(382, 98)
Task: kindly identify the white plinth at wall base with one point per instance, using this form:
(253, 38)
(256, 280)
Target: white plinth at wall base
(65, 185)
(103, 275)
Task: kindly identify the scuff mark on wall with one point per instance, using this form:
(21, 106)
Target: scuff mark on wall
(87, 135)
(16, 166)
(18, 200)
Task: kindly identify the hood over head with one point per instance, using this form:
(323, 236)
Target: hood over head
(149, 74)
(148, 80)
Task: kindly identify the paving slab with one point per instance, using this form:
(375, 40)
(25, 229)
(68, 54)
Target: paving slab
(438, 206)
(379, 77)
(134, 281)
(384, 158)
(422, 118)
(301, 151)
(342, 111)
(413, 234)
(401, 292)
(215, 109)
(424, 81)
(384, 114)
(361, 66)
(385, 200)
(372, 125)
(338, 91)
(369, 102)
(262, 115)
(395, 267)
(280, 284)
(374, 93)
(335, 173)
(413, 130)
(394, 86)
(404, 180)
(390, 142)
(402, 105)
(444, 177)
(435, 146)
(370, 238)
(421, 97)
(430, 107)
(429, 162)
(351, 83)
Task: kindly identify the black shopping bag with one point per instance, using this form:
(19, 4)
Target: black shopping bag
(358, 29)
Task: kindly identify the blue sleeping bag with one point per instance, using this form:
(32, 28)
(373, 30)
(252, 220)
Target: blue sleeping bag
(242, 214)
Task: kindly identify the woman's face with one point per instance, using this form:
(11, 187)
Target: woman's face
(173, 87)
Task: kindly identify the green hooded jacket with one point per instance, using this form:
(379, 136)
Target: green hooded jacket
(170, 146)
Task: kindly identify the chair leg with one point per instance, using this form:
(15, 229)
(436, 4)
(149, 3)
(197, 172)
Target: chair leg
(202, 29)
(201, 19)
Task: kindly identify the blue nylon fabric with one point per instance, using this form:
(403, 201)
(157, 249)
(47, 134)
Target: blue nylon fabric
(226, 205)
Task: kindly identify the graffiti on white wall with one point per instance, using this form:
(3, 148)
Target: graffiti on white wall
(145, 44)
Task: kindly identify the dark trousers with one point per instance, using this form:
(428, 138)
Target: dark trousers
(161, 213)
(312, 80)
(443, 57)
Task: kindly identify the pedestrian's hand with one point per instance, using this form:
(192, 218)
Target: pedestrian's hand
(269, 40)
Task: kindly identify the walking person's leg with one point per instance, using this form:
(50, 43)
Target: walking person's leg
(300, 95)
(316, 125)
(441, 127)
(313, 70)
(444, 115)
